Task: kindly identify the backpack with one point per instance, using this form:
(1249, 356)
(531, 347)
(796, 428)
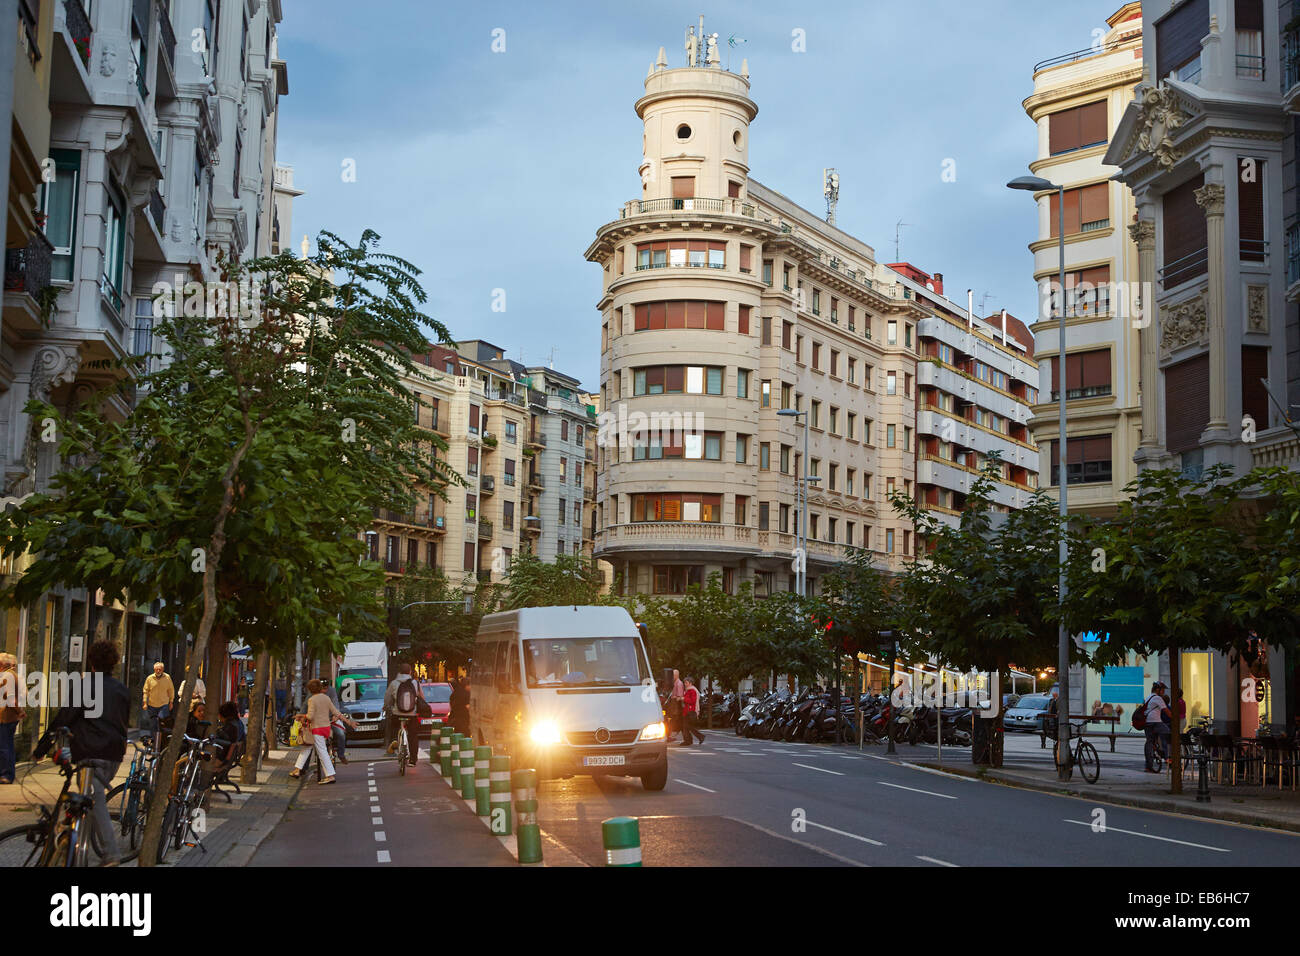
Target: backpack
(1139, 718)
(406, 697)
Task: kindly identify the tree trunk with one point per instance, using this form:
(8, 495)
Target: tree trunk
(1175, 725)
(256, 720)
(217, 543)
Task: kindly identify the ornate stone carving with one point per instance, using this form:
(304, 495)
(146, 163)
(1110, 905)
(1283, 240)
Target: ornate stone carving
(52, 367)
(1162, 115)
(1210, 198)
(1257, 308)
(1183, 324)
(107, 61)
(1143, 232)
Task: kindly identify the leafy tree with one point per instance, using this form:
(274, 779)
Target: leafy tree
(531, 582)
(231, 486)
(1190, 562)
(443, 630)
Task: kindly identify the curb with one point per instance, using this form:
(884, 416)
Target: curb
(1126, 800)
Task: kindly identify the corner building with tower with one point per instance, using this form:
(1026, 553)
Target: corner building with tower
(722, 303)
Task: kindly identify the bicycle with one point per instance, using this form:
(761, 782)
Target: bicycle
(61, 836)
(403, 750)
(1084, 756)
(185, 803)
(135, 793)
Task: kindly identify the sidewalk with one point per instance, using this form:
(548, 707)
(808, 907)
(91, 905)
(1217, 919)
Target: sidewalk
(1123, 781)
(234, 830)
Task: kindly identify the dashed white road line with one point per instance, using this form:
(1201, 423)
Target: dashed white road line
(377, 821)
(843, 833)
(820, 769)
(381, 836)
(899, 786)
(383, 857)
(930, 859)
(1150, 836)
(695, 785)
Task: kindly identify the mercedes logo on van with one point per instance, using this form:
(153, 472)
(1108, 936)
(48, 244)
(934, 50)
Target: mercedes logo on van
(602, 735)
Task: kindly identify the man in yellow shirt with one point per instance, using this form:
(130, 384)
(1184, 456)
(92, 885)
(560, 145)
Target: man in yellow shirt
(158, 695)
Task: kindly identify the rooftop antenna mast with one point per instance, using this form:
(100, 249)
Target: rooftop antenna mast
(898, 238)
(984, 301)
(831, 190)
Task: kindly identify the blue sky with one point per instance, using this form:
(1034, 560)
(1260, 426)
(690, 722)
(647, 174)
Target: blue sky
(493, 170)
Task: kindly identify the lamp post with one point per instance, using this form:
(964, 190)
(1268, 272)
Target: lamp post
(1038, 184)
(801, 500)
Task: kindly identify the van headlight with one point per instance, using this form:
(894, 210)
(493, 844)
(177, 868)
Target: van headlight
(545, 732)
(653, 731)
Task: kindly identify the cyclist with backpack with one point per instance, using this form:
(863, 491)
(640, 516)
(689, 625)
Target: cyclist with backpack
(1153, 717)
(402, 702)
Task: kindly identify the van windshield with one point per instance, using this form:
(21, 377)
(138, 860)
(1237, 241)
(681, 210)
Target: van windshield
(584, 662)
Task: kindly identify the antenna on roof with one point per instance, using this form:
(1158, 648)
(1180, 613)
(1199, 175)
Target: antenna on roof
(984, 302)
(898, 236)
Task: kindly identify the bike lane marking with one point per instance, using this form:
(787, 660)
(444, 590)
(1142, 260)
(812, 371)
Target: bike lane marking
(930, 859)
(899, 786)
(695, 785)
(1150, 836)
(843, 833)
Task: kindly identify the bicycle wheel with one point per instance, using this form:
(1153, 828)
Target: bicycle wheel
(22, 846)
(401, 756)
(169, 825)
(1089, 764)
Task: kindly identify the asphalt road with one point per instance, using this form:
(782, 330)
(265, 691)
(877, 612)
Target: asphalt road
(736, 802)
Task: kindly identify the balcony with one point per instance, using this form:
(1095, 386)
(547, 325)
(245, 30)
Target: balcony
(157, 210)
(589, 493)
(28, 269)
(1291, 70)
(649, 207)
(485, 529)
(487, 485)
(536, 481)
(536, 440)
(1191, 266)
(166, 38)
(423, 522)
(708, 537)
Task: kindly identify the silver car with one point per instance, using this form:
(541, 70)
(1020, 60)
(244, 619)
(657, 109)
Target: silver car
(1028, 713)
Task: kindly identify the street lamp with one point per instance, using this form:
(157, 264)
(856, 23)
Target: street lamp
(801, 491)
(1037, 184)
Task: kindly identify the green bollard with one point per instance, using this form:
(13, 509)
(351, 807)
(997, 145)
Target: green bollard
(499, 795)
(622, 839)
(528, 833)
(435, 732)
(455, 761)
(482, 756)
(467, 768)
(444, 751)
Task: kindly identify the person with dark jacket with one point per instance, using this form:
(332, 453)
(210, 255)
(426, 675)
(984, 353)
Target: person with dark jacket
(98, 726)
(459, 715)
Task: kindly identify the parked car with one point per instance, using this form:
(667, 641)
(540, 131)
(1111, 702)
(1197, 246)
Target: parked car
(1028, 713)
(363, 700)
(439, 697)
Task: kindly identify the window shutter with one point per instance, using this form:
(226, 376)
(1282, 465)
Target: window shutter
(1250, 215)
(743, 322)
(746, 253)
(716, 312)
(1093, 205)
(1092, 124)
(683, 187)
(1184, 228)
(1249, 15)
(1187, 403)
(1096, 368)
(1179, 34)
(1063, 131)
(1254, 399)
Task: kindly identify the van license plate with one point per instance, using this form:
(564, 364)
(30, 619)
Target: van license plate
(613, 760)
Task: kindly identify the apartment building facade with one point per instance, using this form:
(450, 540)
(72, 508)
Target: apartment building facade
(722, 303)
(977, 382)
(1203, 147)
(1078, 101)
(150, 152)
(560, 423)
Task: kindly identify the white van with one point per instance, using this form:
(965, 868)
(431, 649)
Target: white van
(568, 690)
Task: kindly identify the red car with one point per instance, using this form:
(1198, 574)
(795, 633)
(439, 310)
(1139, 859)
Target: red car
(439, 698)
